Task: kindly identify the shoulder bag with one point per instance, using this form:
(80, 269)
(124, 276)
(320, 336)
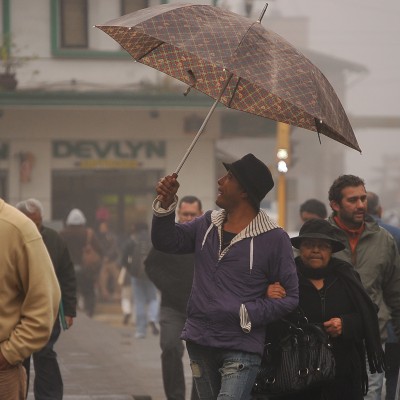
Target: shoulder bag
(91, 259)
(296, 361)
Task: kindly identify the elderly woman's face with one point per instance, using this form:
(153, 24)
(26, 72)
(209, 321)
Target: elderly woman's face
(315, 253)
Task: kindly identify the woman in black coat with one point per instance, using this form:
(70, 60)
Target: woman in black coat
(331, 294)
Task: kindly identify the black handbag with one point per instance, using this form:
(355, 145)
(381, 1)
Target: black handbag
(300, 359)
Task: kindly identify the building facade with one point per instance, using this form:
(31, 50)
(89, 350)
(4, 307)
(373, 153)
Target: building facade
(86, 127)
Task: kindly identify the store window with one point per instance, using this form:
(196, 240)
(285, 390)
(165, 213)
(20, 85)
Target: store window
(128, 6)
(74, 23)
(120, 197)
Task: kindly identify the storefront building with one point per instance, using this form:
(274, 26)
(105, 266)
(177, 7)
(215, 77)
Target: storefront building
(107, 159)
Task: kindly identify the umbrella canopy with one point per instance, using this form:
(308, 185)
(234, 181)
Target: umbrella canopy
(235, 61)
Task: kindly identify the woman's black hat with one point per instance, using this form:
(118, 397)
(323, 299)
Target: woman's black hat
(254, 177)
(318, 229)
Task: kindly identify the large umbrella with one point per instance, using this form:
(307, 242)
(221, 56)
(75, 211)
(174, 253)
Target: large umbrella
(237, 62)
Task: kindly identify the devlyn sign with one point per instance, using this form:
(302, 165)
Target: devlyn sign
(102, 154)
(108, 154)
(110, 149)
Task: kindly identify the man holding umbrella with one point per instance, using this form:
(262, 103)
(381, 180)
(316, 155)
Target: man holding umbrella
(239, 251)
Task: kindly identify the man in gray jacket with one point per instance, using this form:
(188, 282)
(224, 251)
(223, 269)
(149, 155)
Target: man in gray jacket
(239, 251)
(372, 251)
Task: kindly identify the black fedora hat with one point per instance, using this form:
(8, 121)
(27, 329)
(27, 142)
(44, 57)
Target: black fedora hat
(254, 177)
(318, 229)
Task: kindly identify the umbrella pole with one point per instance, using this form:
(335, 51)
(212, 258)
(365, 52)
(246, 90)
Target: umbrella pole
(196, 138)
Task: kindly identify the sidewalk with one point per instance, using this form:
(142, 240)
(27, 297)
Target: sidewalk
(100, 359)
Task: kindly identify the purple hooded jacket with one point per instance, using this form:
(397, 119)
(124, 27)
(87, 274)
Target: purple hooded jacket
(224, 280)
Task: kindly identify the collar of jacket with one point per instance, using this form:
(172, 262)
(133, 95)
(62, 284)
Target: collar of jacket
(260, 224)
(371, 226)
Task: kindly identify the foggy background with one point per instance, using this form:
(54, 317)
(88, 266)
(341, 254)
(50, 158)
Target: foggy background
(365, 33)
(355, 43)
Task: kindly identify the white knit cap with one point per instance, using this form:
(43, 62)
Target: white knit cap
(76, 217)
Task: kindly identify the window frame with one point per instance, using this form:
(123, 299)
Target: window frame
(84, 53)
(85, 32)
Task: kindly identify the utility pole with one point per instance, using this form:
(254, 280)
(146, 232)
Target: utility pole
(283, 162)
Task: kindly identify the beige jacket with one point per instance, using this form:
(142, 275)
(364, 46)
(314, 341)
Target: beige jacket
(29, 290)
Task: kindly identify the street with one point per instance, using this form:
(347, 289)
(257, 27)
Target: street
(100, 359)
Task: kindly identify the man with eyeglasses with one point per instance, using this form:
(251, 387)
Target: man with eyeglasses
(373, 253)
(173, 276)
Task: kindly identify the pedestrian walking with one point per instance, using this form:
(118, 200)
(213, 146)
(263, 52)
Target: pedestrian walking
(109, 271)
(375, 210)
(313, 208)
(173, 276)
(146, 302)
(392, 345)
(238, 251)
(86, 254)
(331, 294)
(30, 298)
(373, 253)
(125, 283)
(48, 383)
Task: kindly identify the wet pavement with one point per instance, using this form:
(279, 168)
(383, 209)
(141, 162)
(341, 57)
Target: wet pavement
(100, 359)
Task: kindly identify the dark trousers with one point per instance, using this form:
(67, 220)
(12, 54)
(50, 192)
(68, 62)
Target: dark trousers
(48, 384)
(392, 358)
(86, 289)
(172, 350)
(392, 351)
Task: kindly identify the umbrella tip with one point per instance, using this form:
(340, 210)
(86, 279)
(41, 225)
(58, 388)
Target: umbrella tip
(262, 13)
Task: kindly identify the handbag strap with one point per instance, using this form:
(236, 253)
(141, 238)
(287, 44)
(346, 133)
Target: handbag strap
(300, 335)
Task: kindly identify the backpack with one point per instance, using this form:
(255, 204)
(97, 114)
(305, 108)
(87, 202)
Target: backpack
(91, 259)
(135, 254)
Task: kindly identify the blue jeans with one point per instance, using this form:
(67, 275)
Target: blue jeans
(375, 385)
(146, 304)
(222, 373)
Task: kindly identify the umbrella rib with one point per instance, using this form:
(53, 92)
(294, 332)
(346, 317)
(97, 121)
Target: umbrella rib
(148, 52)
(318, 125)
(234, 92)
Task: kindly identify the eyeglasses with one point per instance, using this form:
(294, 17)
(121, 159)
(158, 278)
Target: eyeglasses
(189, 214)
(311, 244)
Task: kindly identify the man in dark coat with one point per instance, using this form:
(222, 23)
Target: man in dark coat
(48, 381)
(173, 276)
(392, 345)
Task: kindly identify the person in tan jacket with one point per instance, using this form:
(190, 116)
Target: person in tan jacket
(30, 298)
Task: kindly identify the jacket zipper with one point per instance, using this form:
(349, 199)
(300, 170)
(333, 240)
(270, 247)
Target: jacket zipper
(322, 296)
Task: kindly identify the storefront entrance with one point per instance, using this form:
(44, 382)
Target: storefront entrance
(119, 196)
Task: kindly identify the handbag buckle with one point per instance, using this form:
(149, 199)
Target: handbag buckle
(303, 372)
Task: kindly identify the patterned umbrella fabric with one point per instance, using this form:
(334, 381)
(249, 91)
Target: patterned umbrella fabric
(236, 61)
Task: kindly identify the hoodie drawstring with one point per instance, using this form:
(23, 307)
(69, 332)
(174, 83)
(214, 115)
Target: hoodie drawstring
(206, 234)
(251, 255)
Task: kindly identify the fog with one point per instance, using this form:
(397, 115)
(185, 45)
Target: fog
(366, 33)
